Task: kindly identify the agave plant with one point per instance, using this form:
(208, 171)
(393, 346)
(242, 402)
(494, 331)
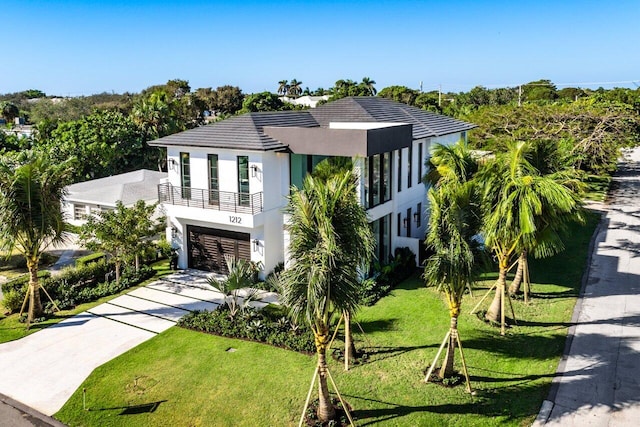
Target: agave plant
(241, 277)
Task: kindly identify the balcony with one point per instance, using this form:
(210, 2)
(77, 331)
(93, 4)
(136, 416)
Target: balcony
(210, 199)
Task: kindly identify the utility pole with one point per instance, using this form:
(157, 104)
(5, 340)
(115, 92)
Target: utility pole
(519, 95)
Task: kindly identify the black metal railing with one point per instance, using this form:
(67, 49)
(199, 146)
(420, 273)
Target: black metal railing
(210, 199)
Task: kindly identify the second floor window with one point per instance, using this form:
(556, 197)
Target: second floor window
(243, 180)
(214, 193)
(409, 166)
(185, 175)
(377, 179)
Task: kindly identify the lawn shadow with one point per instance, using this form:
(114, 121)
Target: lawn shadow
(378, 325)
(521, 399)
(143, 408)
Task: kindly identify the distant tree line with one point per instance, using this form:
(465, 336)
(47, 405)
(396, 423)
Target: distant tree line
(108, 133)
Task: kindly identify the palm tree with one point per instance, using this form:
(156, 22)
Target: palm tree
(330, 240)
(516, 201)
(31, 190)
(453, 222)
(283, 87)
(369, 85)
(295, 88)
(450, 163)
(549, 160)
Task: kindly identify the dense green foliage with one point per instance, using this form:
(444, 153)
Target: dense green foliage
(267, 326)
(75, 285)
(124, 232)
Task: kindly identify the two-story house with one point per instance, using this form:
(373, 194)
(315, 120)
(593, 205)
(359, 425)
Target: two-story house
(228, 181)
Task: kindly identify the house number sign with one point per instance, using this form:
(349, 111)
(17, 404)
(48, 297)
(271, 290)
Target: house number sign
(235, 219)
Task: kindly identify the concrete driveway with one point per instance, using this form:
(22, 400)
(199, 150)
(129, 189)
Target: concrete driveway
(598, 380)
(42, 370)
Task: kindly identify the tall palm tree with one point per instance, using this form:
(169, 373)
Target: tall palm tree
(283, 87)
(516, 199)
(295, 88)
(454, 220)
(330, 240)
(369, 85)
(551, 161)
(31, 191)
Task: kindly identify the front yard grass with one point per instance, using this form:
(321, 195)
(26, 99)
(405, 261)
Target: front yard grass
(12, 329)
(182, 377)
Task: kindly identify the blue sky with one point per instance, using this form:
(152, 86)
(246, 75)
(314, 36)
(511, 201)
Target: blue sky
(84, 47)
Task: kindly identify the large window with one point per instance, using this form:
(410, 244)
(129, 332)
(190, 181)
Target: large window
(399, 170)
(382, 234)
(214, 187)
(243, 180)
(185, 175)
(409, 166)
(377, 179)
(420, 161)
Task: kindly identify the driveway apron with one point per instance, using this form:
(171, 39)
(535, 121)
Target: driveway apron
(43, 369)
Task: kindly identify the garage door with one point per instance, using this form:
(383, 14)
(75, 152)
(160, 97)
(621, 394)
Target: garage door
(207, 247)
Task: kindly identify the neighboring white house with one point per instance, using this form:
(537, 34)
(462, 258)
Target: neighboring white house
(228, 182)
(306, 100)
(90, 197)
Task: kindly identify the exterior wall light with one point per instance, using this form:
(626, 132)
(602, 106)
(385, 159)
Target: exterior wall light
(405, 222)
(256, 245)
(173, 164)
(416, 216)
(174, 232)
(254, 171)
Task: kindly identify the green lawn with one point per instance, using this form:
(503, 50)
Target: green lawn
(597, 187)
(11, 329)
(188, 378)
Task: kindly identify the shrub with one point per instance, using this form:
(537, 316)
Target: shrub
(21, 281)
(385, 278)
(88, 259)
(13, 299)
(266, 326)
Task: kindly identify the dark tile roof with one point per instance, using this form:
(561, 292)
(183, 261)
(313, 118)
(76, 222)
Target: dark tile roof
(246, 131)
(239, 132)
(375, 109)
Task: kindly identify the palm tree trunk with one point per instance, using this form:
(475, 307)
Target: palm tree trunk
(494, 314)
(514, 288)
(137, 262)
(447, 366)
(349, 346)
(326, 411)
(35, 306)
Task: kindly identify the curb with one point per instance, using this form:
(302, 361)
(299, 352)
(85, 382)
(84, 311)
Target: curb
(38, 418)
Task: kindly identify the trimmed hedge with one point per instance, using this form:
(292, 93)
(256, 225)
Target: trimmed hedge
(88, 259)
(265, 326)
(20, 282)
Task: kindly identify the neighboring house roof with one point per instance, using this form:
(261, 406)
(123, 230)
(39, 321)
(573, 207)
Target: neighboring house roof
(245, 132)
(127, 187)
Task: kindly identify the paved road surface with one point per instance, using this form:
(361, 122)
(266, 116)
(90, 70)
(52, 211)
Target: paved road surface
(599, 379)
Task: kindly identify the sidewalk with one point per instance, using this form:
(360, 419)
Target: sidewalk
(598, 380)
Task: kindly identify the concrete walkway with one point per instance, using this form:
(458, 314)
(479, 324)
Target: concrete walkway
(42, 370)
(598, 381)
